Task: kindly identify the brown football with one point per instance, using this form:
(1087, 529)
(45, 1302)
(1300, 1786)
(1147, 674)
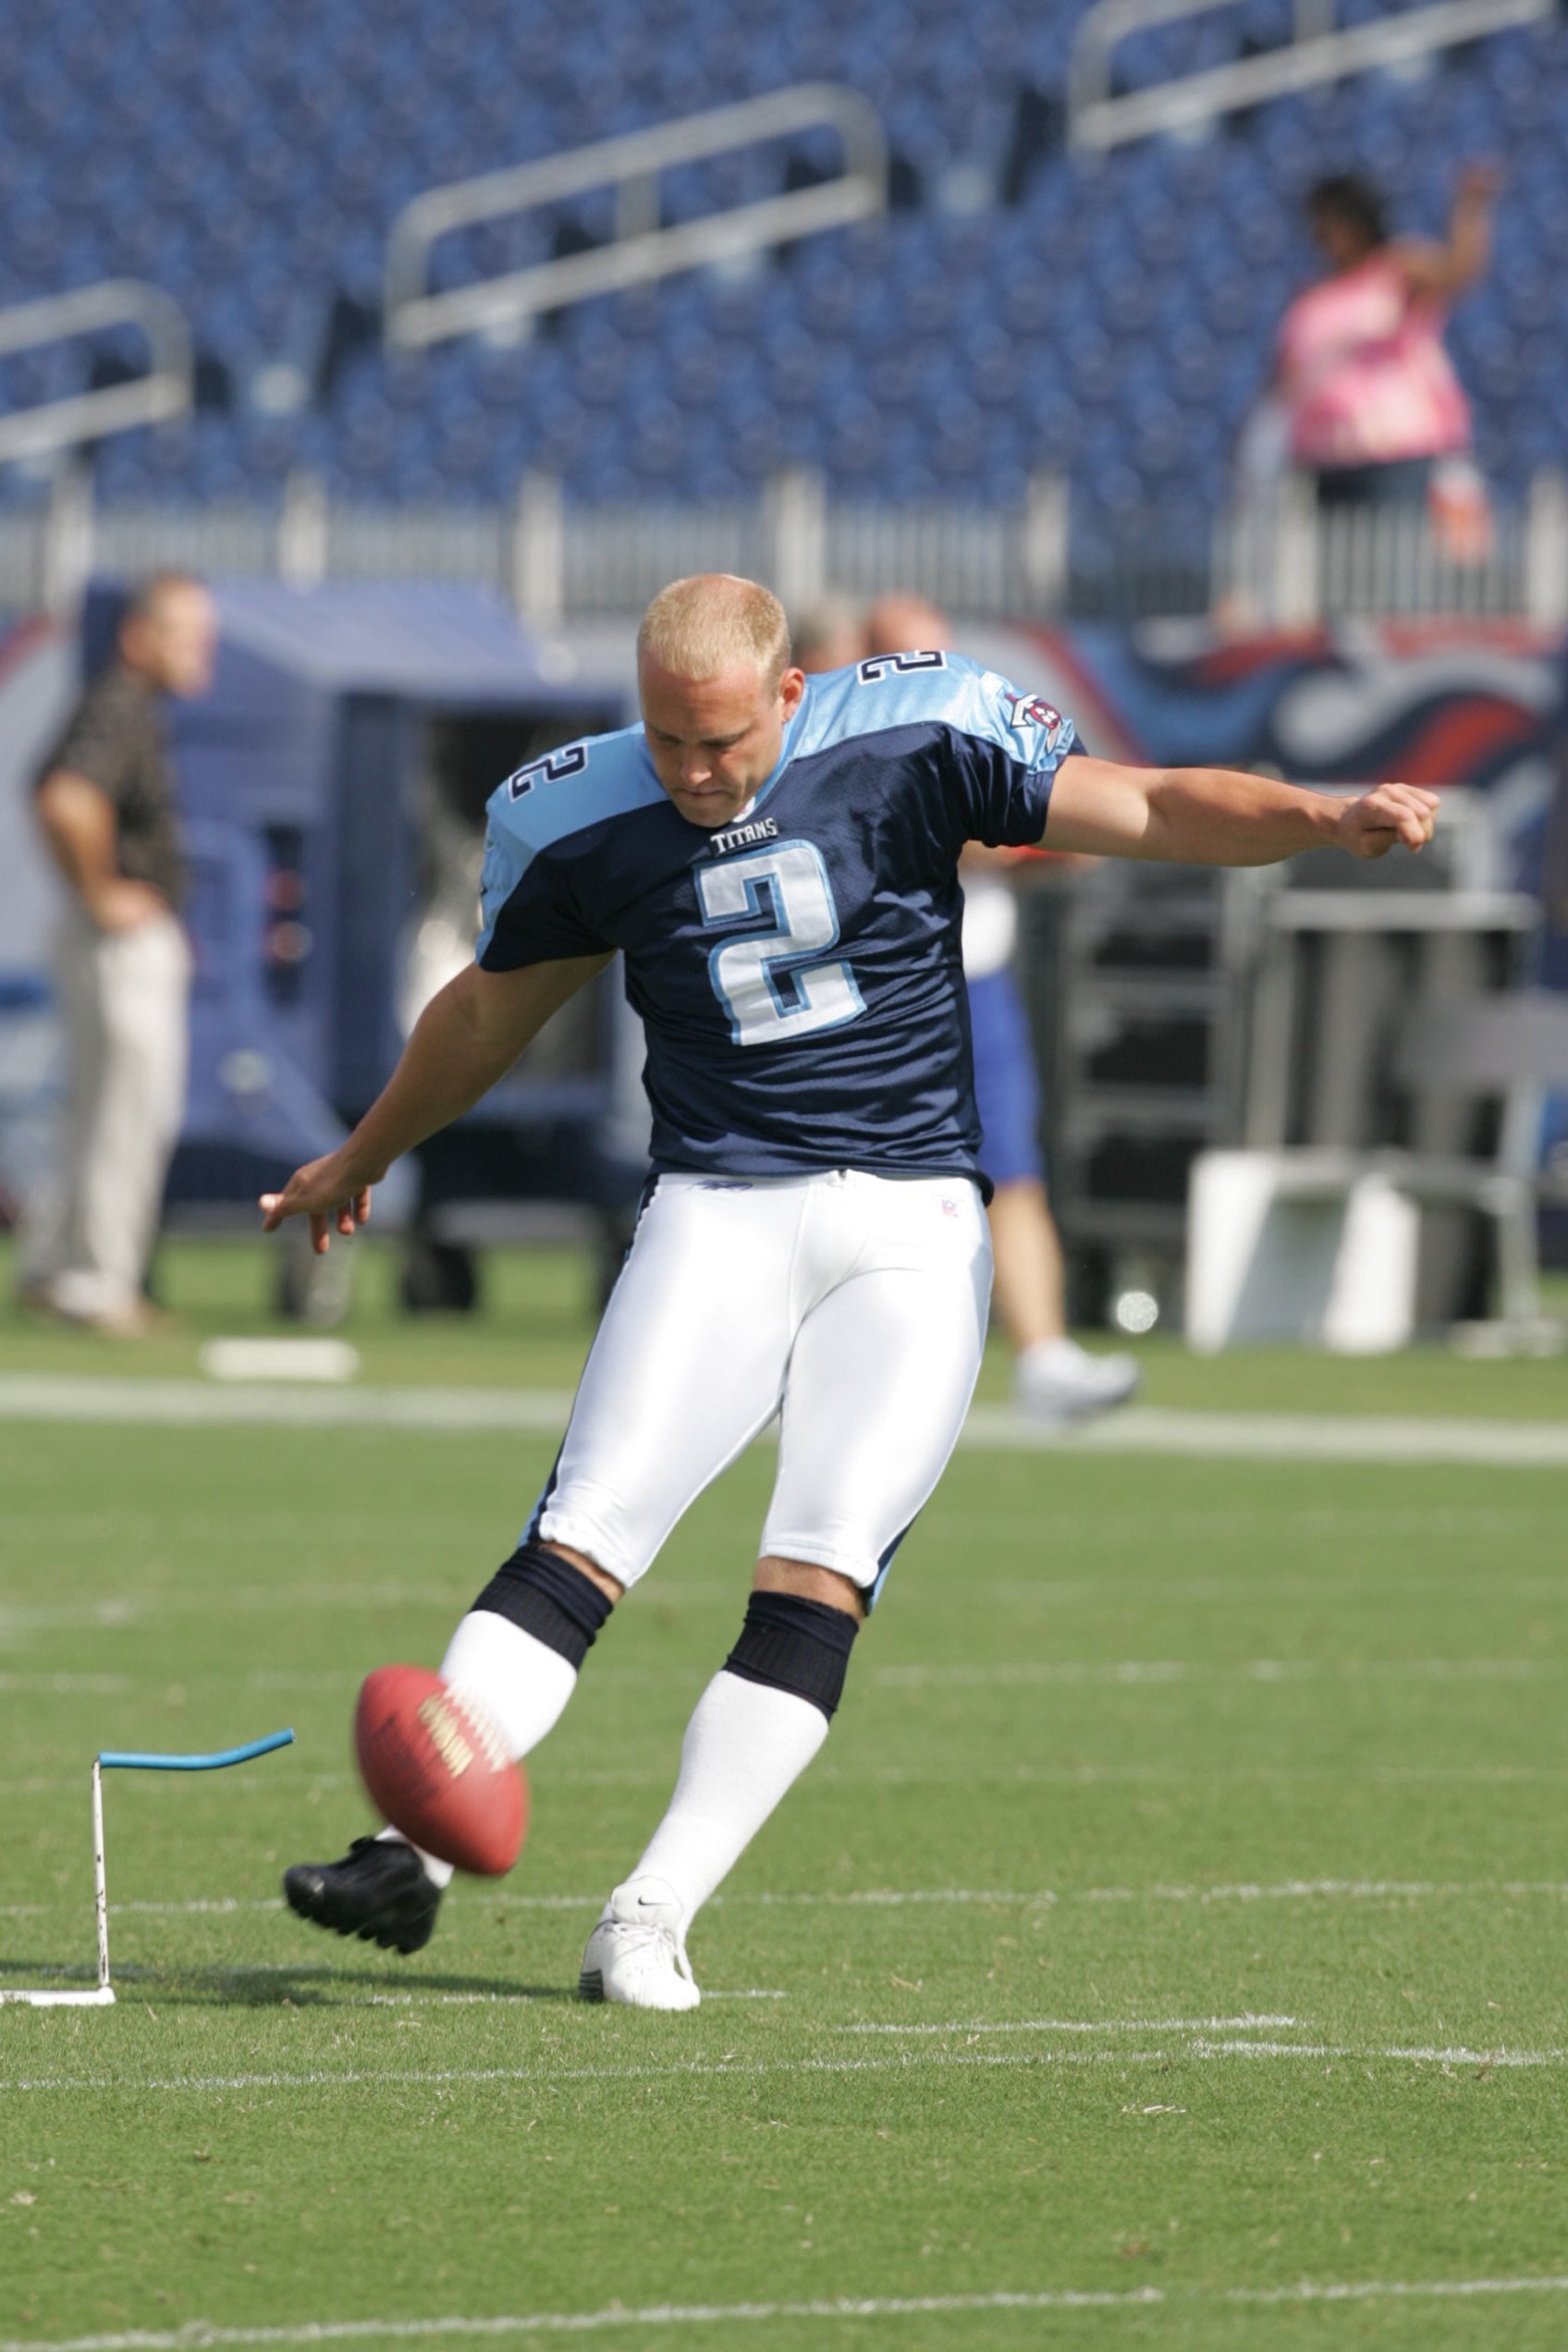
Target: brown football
(432, 1761)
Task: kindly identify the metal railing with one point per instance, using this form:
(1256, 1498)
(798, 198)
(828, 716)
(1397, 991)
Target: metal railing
(1316, 52)
(165, 390)
(640, 250)
(1273, 562)
(1281, 560)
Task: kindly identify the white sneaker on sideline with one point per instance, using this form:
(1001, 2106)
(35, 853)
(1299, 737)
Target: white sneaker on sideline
(637, 1954)
(1060, 1381)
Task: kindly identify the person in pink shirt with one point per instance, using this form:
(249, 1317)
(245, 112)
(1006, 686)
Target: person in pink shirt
(1373, 401)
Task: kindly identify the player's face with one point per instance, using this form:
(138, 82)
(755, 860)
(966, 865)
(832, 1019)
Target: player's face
(715, 741)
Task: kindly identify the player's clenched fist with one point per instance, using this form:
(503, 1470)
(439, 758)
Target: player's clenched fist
(1390, 815)
(325, 1191)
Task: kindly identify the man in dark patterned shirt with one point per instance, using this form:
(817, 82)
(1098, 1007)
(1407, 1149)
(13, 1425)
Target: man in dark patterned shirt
(105, 803)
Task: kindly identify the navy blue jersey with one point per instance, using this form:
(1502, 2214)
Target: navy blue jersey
(798, 971)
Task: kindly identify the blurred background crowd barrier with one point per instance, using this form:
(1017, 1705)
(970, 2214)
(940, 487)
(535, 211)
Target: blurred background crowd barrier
(439, 340)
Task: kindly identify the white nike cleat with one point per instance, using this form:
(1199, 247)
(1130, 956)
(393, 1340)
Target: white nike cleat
(1060, 1381)
(637, 1954)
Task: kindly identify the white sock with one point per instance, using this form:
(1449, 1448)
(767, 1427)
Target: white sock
(438, 1872)
(745, 1747)
(521, 1683)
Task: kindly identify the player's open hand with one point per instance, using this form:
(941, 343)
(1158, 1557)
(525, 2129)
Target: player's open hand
(1392, 815)
(327, 1193)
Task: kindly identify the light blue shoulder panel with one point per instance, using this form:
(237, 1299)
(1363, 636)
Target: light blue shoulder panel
(565, 792)
(931, 689)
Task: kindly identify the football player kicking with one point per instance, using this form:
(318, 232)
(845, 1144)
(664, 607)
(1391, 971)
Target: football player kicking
(775, 859)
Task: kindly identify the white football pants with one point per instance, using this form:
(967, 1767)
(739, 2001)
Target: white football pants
(852, 1306)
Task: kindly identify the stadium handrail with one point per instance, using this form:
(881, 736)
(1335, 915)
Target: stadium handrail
(164, 392)
(640, 250)
(1317, 52)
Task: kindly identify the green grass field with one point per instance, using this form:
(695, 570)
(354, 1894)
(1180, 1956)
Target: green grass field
(1170, 1937)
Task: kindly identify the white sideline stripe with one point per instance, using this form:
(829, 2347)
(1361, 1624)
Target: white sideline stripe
(1425, 2055)
(1080, 2026)
(544, 1412)
(1163, 1775)
(53, 1685)
(1013, 1776)
(246, 1785)
(117, 1611)
(1368, 2290)
(187, 1404)
(126, 1610)
(480, 2000)
(1028, 1672)
(1280, 1437)
(1181, 2054)
(898, 1898)
(1308, 1890)
(200, 2333)
(1025, 1672)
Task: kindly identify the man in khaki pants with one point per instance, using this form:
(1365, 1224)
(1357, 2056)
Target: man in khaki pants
(105, 803)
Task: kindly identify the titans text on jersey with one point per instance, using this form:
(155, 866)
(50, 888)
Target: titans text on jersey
(798, 971)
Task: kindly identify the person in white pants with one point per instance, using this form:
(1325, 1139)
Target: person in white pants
(777, 862)
(106, 808)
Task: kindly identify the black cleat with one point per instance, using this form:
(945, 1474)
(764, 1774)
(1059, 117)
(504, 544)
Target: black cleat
(379, 1892)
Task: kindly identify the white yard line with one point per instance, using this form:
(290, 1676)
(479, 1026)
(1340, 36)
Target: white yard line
(1082, 2025)
(1424, 2054)
(1381, 2290)
(898, 1898)
(1028, 1672)
(1330, 1890)
(1183, 2052)
(198, 2333)
(1011, 1776)
(478, 2000)
(248, 1784)
(199, 1404)
(1284, 1436)
(116, 1611)
(62, 1686)
(1168, 1775)
(998, 1673)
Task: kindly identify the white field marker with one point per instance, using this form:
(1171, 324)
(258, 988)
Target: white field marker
(621, 2317)
(315, 1360)
(909, 2064)
(1270, 1436)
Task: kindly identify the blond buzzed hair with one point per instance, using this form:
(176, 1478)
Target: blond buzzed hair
(699, 628)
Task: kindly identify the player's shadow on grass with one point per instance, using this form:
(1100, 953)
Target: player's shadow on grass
(294, 1985)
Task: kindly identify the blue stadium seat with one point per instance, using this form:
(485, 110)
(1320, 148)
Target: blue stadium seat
(1121, 315)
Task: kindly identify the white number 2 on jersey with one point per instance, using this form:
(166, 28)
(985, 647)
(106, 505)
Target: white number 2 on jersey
(764, 980)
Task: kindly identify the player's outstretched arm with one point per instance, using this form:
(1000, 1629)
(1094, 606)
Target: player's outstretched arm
(1220, 817)
(468, 1035)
